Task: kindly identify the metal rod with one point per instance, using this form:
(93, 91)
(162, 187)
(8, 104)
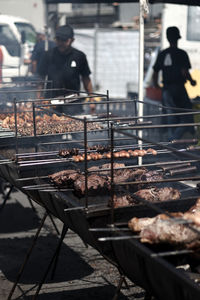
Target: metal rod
(111, 229)
(37, 161)
(34, 122)
(55, 152)
(16, 133)
(158, 126)
(6, 162)
(32, 178)
(82, 207)
(112, 173)
(118, 238)
(85, 163)
(55, 190)
(66, 159)
(157, 144)
(161, 180)
(170, 253)
(107, 112)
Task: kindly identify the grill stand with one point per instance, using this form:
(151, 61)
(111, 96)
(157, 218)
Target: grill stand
(54, 260)
(27, 256)
(6, 197)
(121, 280)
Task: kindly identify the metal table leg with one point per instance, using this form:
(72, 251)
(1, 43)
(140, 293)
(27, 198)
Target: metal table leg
(54, 224)
(31, 203)
(121, 280)
(6, 197)
(27, 256)
(54, 260)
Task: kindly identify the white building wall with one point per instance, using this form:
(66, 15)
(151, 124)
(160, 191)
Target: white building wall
(114, 63)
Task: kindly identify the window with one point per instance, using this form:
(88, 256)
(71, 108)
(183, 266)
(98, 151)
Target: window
(30, 34)
(8, 40)
(193, 24)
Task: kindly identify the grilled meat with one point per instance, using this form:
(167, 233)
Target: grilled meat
(72, 178)
(128, 174)
(99, 148)
(152, 195)
(65, 178)
(158, 194)
(121, 200)
(45, 124)
(137, 224)
(165, 229)
(68, 152)
(116, 154)
(96, 184)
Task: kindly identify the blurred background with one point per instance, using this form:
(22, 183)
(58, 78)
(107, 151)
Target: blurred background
(107, 32)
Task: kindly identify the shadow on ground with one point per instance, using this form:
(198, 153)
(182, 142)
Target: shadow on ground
(70, 265)
(94, 293)
(16, 218)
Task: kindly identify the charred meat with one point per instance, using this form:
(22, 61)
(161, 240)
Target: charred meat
(95, 183)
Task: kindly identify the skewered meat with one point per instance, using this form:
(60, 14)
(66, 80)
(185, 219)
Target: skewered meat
(117, 154)
(164, 229)
(128, 174)
(96, 184)
(152, 151)
(65, 178)
(158, 194)
(137, 224)
(68, 152)
(99, 148)
(152, 195)
(150, 176)
(121, 200)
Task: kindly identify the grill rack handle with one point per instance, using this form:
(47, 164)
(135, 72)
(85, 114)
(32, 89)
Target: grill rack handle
(183, 170)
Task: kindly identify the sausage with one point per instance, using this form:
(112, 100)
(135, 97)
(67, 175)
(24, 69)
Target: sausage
(135, 152)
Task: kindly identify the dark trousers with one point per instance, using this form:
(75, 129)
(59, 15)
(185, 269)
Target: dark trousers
(173, 97)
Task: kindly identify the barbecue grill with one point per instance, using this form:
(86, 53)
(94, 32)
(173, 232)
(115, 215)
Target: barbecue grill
(82, 213)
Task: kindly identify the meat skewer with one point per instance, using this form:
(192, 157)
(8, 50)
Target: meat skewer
(166, 229)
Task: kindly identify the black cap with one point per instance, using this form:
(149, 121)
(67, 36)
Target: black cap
(64, 32)
(173, 33)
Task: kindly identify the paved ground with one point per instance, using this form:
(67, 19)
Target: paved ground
(81, 272)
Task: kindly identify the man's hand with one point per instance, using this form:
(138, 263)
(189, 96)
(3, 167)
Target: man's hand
(193, 82)
(92, 109)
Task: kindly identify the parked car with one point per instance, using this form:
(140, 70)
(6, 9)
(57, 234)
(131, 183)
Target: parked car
(17, 39)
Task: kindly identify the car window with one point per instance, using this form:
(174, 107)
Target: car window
(8, 40)
(30, 34)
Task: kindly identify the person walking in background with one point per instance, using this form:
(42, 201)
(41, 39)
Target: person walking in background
(39, 49)
(174, 64)
(66, 66)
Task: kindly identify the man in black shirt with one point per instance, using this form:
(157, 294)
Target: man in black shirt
(64, 65)
(174, 64)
